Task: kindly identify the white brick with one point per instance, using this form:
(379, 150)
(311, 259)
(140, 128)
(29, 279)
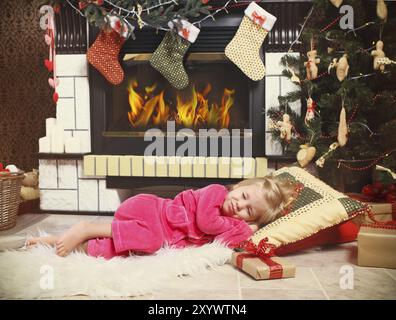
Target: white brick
(272, 65)
(58, 200)
(88, 199)
(48, 177)
(67, 174)
(82, 103)
(85, 139)
(287, 86)
(65, 113)
(272, 91)
(71, 65)
(272, 147)
(66, 87)
(110, 199)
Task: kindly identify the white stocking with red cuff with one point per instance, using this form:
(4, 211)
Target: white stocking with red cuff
(244, 48)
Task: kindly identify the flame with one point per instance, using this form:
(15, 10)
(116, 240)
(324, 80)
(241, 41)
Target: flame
(192, 112)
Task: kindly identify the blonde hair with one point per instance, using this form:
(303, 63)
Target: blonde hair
(278, 195)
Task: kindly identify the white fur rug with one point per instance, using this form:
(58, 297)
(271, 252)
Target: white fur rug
(40, 273)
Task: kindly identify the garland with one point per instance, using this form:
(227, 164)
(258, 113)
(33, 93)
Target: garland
(156, 14)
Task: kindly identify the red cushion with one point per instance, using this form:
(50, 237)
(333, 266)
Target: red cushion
(344, 232)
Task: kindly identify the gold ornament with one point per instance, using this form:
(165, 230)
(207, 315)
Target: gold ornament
(311, 65)
(305, 154)
(342, 136)
(379, 56)
(382, 10)
(336, 3)
(342, 68)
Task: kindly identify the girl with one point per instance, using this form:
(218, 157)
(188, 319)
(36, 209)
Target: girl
(144, 223)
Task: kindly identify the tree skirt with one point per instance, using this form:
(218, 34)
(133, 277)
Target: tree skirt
(40, 273)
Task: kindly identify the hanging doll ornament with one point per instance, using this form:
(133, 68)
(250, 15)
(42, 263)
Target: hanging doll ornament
(382, 10)
(336, 3)
(285, 127)
(379, 56)
(342, 136)
(310, 110)
(311, 65)
(305, 154)
(50, 62)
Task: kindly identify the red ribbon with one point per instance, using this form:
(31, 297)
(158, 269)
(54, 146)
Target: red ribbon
(258, 19)
(275, 269)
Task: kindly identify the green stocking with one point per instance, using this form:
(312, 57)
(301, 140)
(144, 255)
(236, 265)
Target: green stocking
(168, 58)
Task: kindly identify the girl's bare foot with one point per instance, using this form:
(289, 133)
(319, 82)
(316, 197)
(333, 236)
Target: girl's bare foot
(50, 240)
(71, 239)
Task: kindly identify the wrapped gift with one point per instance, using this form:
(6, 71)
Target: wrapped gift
(263, 268)
(377, 245)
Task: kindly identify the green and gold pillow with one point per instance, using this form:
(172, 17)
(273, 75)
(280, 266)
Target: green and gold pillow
(316, 208)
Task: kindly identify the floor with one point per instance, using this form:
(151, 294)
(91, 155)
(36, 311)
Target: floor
(321, 273)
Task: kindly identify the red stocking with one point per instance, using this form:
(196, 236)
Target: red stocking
(103, 56)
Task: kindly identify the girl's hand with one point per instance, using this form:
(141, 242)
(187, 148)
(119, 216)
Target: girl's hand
(253, 226)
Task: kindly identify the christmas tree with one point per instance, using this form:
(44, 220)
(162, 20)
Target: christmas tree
(346, 78)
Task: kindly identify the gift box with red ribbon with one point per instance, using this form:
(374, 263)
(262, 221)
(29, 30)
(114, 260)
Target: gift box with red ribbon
(261, 268)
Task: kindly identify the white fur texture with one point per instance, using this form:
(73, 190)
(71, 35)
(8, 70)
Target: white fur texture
(23, 273)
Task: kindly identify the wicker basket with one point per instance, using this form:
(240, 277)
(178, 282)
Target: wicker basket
(10, 197)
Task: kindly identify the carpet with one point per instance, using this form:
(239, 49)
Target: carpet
(40, 273)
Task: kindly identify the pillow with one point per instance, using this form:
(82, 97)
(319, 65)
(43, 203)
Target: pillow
(314, 217)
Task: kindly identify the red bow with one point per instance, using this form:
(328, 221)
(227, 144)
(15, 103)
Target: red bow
(264, 249)
(258, 19)
(185, 32)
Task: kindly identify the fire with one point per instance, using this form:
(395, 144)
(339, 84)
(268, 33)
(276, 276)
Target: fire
(194, 112)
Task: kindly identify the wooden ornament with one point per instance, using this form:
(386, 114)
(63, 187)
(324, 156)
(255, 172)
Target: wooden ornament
(342, 136)
(285, 127)
(336, 3)
(382, 10)
(342, 68)
(311, 65)
(378, 55)
(305, 154)
(310, 110)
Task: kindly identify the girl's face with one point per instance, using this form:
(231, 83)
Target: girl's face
(245, 202)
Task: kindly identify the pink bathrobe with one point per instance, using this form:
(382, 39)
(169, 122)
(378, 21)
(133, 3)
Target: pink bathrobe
(145, 223)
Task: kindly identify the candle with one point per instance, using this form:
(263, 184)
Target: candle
(49, 125)
(57, 139)
(45, 145)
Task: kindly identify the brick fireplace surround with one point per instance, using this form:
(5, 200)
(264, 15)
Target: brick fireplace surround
(80, 183)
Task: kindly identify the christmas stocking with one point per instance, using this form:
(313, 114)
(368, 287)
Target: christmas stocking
(168, 58)
(103, 54)
(244, 48)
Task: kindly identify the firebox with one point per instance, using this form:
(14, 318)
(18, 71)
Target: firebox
(220, 102)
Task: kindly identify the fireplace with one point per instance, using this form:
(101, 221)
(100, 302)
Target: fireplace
(219, 103)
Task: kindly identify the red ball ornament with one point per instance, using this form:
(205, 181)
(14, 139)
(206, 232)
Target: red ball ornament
(367, 190)
(204, 1)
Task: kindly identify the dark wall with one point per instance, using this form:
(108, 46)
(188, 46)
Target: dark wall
(25, 97)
